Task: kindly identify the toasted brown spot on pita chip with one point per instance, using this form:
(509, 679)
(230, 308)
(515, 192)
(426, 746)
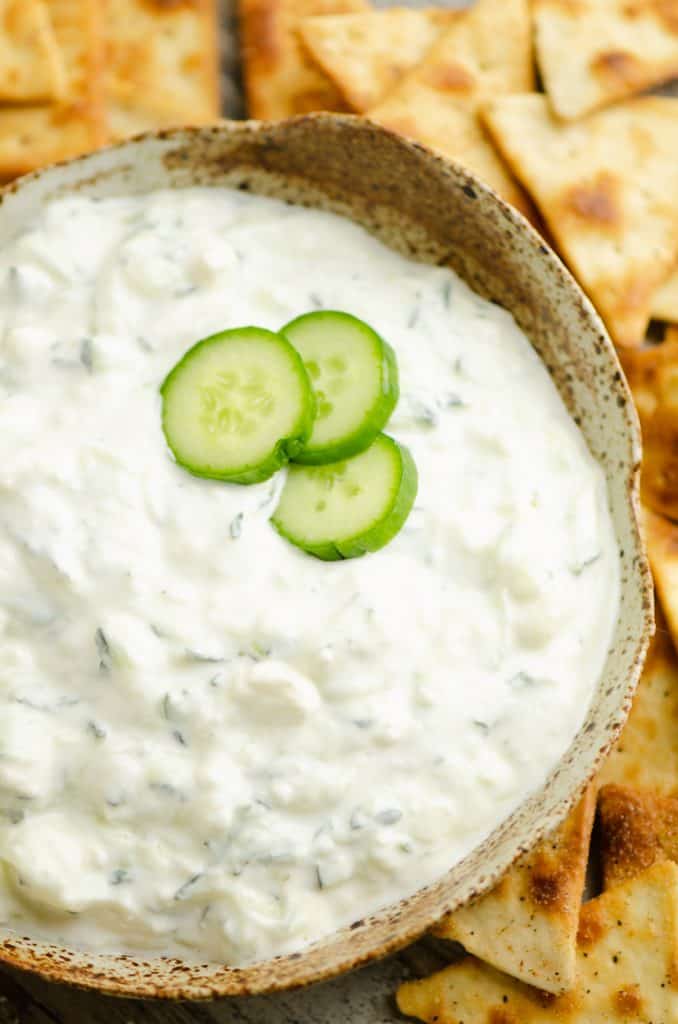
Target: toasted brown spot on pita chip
(527, 924)
(638, 828)
(626, 960)
(618, 64)
(449, 77)
(666, 10)
(628, 1001)
(595, 201)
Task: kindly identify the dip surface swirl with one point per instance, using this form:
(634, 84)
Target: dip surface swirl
(211, 744)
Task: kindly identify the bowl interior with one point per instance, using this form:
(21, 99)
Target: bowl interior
(436, 213)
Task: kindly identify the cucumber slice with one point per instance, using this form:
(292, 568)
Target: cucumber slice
(344, 509)
(238, 406)
(355, 378)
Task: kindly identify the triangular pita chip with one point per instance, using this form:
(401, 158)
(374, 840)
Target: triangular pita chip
(31, 66)
(608, 190)
(162, 65)
(665, 300)
(485, 53)
(33, 136)
(638, 828)
(593, 52)
(527, 925)
(646, 753)
(281, 79)
(627, 952)
(366, 54)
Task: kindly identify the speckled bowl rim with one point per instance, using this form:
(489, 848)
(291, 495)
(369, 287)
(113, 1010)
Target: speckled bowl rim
(203, 155)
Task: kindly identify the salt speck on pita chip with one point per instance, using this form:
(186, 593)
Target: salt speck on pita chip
(527, 925)
(638, 828)
(281, 78)
(594, 52)
(31, 65)
(487, 52)
(33, 136)
(366, 54)
(665, 300)
(608, 189)
(627, 951)
(646, 753)
(162, 64)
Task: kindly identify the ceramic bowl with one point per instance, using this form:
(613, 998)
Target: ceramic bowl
(437, 213)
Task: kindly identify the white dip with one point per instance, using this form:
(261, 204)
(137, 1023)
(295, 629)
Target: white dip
(211, 743)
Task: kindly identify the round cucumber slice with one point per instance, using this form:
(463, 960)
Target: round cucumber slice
(355, 378)
(345, 509)
(237, 406)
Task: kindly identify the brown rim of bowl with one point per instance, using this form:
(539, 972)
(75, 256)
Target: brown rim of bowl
(422, 203)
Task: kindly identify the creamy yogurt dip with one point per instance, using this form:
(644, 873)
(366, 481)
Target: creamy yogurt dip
(213, 744)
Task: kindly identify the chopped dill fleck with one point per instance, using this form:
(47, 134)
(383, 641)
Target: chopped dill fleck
(119, 876)
(87, 354)
(180, 738)
(235, 529)
(389, 816)
(103, 650)
(578, 569)
(96, 730)
(183, 889)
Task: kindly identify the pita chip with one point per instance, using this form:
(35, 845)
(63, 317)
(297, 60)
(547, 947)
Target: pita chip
(31, 65)
(485, 53)
(281, 79)
(646, 753)
(161, 64)
(665, 300)
(627, 951)
(594, 52)
(638, 828)
(608, 190)
(644, 368)
(366, 54)
(661, 538)
(33, 136)
(527, 925)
